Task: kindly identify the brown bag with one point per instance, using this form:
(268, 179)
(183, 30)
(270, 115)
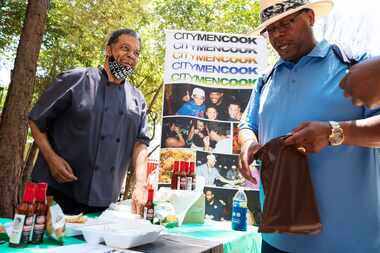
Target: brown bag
(289, 205)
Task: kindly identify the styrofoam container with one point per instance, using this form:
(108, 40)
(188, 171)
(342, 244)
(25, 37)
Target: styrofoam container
(122, 235)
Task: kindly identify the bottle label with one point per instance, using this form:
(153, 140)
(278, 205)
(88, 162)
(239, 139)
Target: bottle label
(39, 229)
(239, 215)
(183, 183)
(193, 184)
(148, 214)
(189, 183)
(27, 229)
(18, 224)
(31, 232)
(178, 183)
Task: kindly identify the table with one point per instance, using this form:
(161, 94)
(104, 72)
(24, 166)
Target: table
(233, 241)
(213, 237)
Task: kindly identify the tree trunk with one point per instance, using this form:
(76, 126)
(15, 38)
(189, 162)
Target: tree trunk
(13, 125)
(31, 156)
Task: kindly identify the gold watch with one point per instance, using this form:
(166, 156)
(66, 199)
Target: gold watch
(336, 136)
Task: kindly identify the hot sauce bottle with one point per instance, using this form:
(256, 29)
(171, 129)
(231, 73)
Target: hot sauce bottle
(183, 175)
(149, 208)
(40, 214)
(175, 175)
(23, 220)
(191, 178)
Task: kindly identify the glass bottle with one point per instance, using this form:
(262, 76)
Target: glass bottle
(183, 175)
(175, 175)
(24, 217)
(149, 208)
(40, 214)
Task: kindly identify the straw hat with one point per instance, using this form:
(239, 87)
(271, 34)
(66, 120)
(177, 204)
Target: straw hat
(274, 10)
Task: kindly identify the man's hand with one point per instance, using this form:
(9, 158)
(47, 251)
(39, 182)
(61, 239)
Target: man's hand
(60, 169)
(139, 198)
(248, 150)
(311, 136)
(362, 83)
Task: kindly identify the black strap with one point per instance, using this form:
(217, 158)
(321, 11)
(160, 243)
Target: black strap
(343, 56)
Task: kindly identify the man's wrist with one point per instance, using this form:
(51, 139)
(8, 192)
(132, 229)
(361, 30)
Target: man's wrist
(347, 127)
(248, 142)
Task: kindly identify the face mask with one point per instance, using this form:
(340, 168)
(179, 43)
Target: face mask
(119, 71)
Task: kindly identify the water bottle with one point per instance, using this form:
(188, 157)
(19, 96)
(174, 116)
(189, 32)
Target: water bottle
(239, 210)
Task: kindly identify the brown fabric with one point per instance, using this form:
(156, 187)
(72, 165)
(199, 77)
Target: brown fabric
(289, 205)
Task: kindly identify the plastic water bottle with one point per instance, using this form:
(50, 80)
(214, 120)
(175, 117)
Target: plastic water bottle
(239, 211)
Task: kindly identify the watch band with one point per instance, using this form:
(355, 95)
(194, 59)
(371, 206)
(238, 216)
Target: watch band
(336, 136)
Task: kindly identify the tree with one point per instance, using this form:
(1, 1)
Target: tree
(13, 125)
(76, 30)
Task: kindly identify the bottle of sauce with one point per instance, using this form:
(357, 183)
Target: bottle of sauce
(183, 175)
(149, 208)
(191, 177)
(40, 214)
(23, 220)
(175, 175)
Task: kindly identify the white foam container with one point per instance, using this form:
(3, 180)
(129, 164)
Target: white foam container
(123, 235)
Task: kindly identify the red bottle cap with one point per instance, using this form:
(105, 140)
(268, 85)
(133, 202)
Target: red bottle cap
(29, 192)
(184, 166)
(176, 166)
(150, 194)
(41, 192)
(192, 167)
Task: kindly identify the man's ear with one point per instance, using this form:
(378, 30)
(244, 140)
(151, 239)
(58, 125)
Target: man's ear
(310, 17)
(108, 51)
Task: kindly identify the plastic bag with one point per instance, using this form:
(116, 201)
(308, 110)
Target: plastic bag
(55, 224)
(290, 205)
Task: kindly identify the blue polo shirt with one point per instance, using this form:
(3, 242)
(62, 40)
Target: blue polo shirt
(346, 178)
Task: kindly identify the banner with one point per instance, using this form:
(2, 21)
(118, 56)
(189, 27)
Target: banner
(208, 82)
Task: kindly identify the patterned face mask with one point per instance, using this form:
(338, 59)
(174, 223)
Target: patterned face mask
(119, 71)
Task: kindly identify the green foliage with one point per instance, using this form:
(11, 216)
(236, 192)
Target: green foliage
(236, 16)
(11, 18)
(76, 31)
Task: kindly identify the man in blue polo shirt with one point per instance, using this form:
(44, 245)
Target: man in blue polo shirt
(302, 96)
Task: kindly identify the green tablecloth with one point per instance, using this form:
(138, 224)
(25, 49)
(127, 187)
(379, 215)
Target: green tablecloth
(48, 243)
(233, 241)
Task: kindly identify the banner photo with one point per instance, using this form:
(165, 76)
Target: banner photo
(208, 81)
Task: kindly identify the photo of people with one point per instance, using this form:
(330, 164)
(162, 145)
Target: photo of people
(205, 102)
(235, 139)
(215, 209)
(220, 139)
(195, 106)
(174, 132)
(219, 170)
(218, 204)
(197, 134)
